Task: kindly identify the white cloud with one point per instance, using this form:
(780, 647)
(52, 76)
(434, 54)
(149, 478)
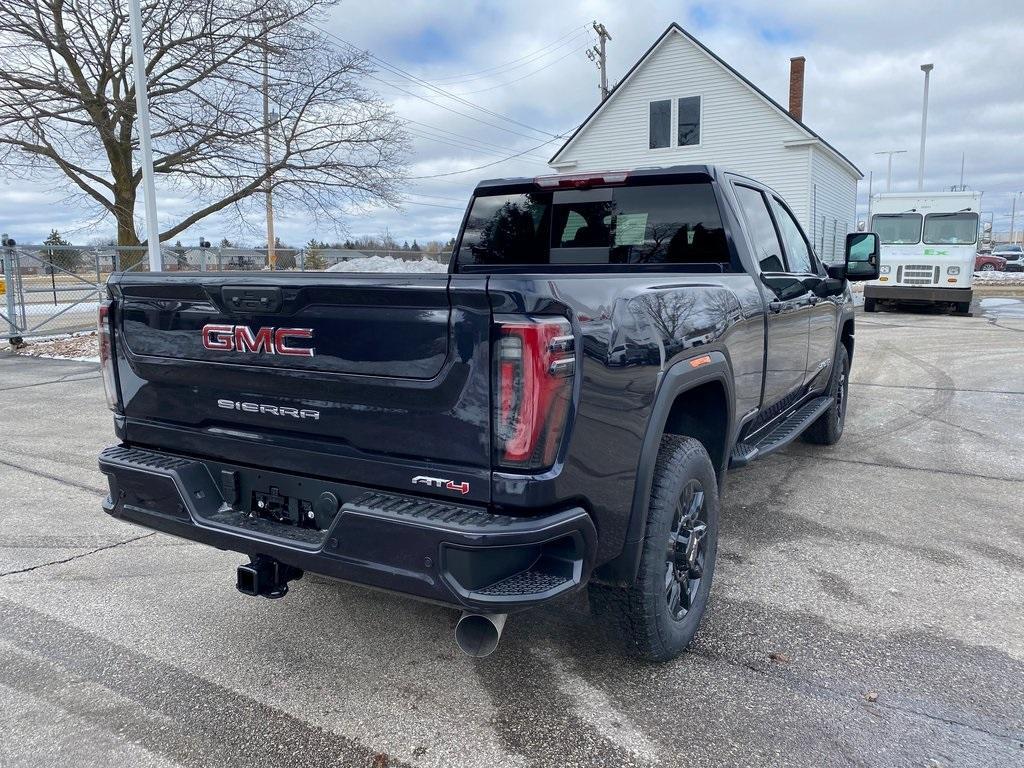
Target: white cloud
(863, 94)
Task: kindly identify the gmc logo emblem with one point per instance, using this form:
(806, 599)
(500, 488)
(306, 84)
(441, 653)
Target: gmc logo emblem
(241, 338)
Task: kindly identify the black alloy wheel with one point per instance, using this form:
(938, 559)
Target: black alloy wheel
(684, 564)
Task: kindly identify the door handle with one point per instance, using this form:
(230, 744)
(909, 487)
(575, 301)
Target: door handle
(776, 306)
(814, 300)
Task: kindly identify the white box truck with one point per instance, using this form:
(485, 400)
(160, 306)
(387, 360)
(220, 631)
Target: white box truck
(928, 246)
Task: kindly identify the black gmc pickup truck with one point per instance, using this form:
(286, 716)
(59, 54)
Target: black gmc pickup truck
(559, 410)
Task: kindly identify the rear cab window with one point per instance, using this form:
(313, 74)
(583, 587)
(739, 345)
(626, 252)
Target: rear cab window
(674, 226)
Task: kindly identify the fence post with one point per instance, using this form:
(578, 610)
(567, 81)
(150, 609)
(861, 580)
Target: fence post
(9, 283)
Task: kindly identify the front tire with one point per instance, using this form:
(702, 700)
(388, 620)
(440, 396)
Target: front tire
(659, 615)
(989, 267)
(829, 427)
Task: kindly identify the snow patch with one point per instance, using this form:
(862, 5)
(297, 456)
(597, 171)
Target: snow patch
(388, 264)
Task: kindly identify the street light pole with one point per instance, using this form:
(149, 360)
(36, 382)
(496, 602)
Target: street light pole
(145, 138)
(927, 69)
(1013, 216)
(890, 153)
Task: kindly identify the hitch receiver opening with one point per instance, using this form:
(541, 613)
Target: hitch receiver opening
(266, 577)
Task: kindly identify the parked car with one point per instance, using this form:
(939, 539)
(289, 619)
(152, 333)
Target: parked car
(989, 263)
(1014, 255)
(559, 410)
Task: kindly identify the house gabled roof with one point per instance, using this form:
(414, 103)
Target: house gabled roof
(674, 27)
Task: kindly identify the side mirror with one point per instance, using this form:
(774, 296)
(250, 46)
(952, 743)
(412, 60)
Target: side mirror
(862, 261)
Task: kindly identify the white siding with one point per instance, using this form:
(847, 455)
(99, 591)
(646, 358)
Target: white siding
(740, 131)
(833, 195)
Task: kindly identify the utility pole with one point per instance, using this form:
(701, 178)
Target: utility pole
(1013, 216)
(271, 252)
(927, 69)
(963, 157)
(145, 137)
(597, 55)
(890, 153)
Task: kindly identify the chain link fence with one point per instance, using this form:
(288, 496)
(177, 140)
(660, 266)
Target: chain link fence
(48, 290)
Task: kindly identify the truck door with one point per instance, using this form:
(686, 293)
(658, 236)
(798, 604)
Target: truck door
(789, 304)
(824, 312)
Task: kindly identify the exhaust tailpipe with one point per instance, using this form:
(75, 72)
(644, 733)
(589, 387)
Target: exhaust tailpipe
(477, 634)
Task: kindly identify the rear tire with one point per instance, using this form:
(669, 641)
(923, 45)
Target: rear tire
(988, 267)
(829, 427)
(658, 616)
(963, 307)
(870, 305)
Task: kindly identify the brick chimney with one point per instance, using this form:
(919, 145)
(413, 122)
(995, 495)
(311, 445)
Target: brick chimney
(796, 87)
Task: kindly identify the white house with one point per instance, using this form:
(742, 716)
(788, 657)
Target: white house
(682, 104)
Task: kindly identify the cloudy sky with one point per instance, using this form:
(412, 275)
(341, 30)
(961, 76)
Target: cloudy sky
(525, 62)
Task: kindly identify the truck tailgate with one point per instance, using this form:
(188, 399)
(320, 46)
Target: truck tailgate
(324, 373)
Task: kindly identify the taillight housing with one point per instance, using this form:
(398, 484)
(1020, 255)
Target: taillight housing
(534, 369)
(107, 353)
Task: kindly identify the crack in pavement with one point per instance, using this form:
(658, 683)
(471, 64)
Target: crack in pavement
(54, 478)
(809, 686)
(62, 380)
(938, 389)
(79, 556)
(793, 455)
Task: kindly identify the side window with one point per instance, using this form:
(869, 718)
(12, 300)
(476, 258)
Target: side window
(767, 249)
(660, 123)
(798, 252)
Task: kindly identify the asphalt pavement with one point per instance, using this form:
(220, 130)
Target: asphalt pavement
(868, 607)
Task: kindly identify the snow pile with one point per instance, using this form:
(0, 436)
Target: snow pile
(999, 278)
(83, 347)
(388, 264)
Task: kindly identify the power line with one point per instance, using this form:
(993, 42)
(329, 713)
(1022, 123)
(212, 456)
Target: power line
(459, 145)
(523, 59)
(396, 70)
(450, 109)
(457, 135)
(470, 143)
(573, 52)
(485, 165)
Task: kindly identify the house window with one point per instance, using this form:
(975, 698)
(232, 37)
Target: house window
(688, 121)
(660, 127)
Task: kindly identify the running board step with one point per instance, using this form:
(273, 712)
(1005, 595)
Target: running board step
(781, 434)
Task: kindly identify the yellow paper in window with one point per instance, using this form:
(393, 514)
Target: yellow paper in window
(630, 228)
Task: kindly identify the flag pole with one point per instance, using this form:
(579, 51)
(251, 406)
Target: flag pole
(145, 139)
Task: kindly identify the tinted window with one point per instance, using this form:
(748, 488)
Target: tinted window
(798, 252)
(661, 224)
(660, 123)
(761, 230)
(897, 228)
(950, 228)
(688, 121)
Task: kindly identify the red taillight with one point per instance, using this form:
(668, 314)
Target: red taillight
(534, 365)
(107, 354)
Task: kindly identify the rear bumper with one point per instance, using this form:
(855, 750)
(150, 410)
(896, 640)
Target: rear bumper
(455, 554)
(916, 293)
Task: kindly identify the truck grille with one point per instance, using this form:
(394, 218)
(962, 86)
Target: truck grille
(917, 274)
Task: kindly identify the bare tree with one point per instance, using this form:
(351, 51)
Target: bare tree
(67, 102)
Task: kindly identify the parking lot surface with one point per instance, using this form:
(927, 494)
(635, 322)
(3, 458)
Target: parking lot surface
(867, 607)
